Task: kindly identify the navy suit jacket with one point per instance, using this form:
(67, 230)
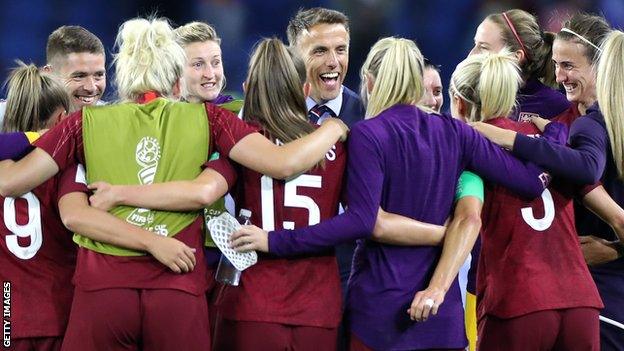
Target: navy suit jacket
(352, 109)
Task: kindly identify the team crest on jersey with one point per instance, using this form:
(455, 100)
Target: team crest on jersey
(147, 157)
(545, 178)
(525, 117)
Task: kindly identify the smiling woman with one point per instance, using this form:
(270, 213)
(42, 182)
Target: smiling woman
(519, 32)
(575, 54)
(203, 78)
(588, 159)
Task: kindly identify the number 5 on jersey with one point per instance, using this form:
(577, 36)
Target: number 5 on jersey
(291, 199)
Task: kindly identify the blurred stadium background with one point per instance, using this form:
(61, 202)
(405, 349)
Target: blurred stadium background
(443, 29)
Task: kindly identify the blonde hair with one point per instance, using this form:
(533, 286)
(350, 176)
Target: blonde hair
(32, 98)
(196, 32)
(488, 83)
(610, 93)
(396, 66)
(536, 44)
(148, 59)
(274, 96)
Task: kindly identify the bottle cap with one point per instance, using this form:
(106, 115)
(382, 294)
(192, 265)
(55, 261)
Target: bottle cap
(245, 213)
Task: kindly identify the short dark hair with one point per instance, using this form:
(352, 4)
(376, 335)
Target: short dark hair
(428, 64)
(72, 39)
(305, 19)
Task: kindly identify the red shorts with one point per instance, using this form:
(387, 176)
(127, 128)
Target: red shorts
(37, 344)
(133, 319)
(263, 336)
(565, 329)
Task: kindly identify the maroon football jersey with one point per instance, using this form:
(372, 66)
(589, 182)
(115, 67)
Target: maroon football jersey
(530, 256)
(38, 258)
(568, 116)
(301, 291)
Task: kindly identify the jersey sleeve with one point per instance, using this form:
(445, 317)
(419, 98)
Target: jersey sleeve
(583, 162)
(64, 142)
(365, 175)
(494, 164)
(72, 180)
(469, 184)
(226, 129)
(14, 145)
(586, 189)
(224, 167)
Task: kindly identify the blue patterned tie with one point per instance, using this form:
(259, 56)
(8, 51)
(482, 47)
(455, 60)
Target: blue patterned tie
(318, 111)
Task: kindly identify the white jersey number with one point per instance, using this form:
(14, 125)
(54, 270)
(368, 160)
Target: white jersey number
(544, 223)
(291, 199)
(31, 230)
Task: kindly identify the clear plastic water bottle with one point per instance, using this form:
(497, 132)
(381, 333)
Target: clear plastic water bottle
(226, 272)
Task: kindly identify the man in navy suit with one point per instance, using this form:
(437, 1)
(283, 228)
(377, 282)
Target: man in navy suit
(321, 36)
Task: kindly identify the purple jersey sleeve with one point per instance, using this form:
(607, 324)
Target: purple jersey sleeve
(364, 185)
(583, 162)
(14, 145)
(498, 166)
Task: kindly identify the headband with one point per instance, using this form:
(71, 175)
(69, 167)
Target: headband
(452, 86)
(515, 33)
(567, 30)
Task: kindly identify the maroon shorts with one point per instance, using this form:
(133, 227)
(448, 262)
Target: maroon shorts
(355, 344)
(133, 319)
(37, 344)
(565, 329)
(263, 336)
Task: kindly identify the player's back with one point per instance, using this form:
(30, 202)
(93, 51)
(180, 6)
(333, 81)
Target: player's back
(299, 291)
(38, 259)
(419, 157)
(530, 257)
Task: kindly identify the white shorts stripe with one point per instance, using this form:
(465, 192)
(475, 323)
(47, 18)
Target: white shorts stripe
(612, 322)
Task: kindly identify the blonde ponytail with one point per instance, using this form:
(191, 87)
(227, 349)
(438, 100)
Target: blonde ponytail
(499, 84)
(396, 66)
(32, 99)
(488, 83)
(149, 58)
(610, 93)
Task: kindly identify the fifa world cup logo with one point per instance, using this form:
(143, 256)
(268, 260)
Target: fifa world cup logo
(147, 156)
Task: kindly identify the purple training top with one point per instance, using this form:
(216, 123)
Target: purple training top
(222, 99)
(14, 145)
(407, 162)
(583, 162)
(538, 100)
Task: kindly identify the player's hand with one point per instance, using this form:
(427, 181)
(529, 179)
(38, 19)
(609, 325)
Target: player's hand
(343, 126)
(426, 303)
(250, 238)
(597, 251)
(540, 123)
(502, 137)
(104, 196)
(172, 253)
